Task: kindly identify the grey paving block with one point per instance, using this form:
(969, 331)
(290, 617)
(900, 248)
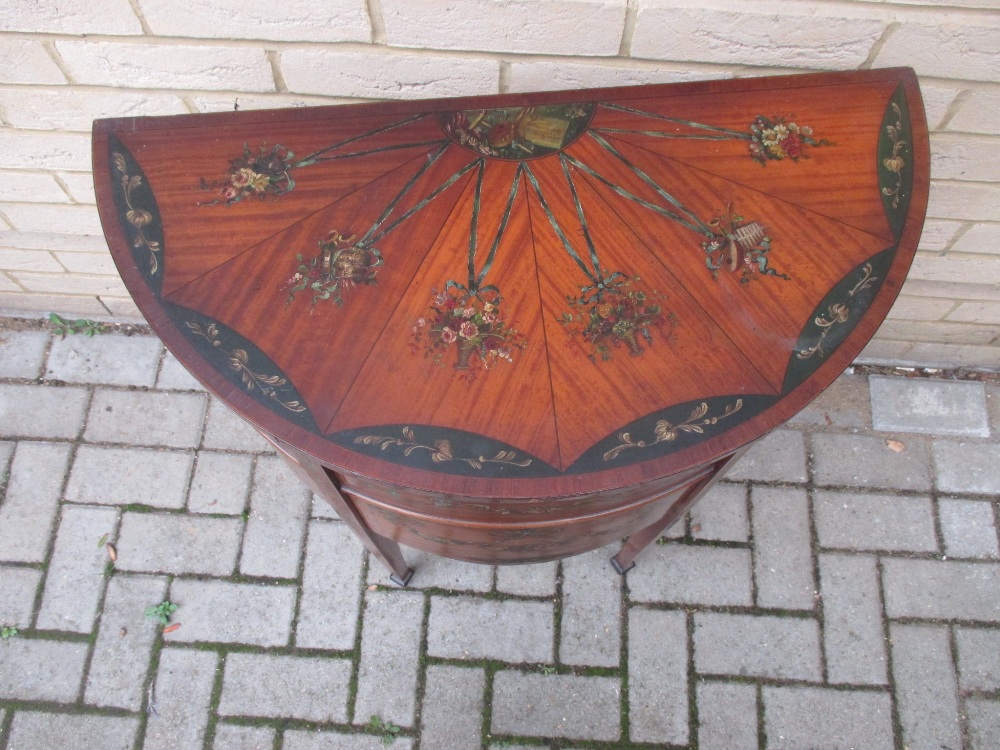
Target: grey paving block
(590, 629)
(285, 687)
(868, 461)
(721, 515)
(782, 548)
(41, 670)
(808, 718)
(322, 509)
(926, 686)
(156, 418)
(220, 483)
(967, 467)
(124, 642)
(984, 723)
(331, 588)
(778, 457)
(74, 584)
(844, 404)
(433, 571)
(29, 509)
(934, 407)
(18, 587)
(6, 453)
(279, 511)
(299, 739)
(238, 737)
(944, 590)
(217, 611)
(34, 729)
(179, 544)
(122, 476)
(107, 359)
(22, 353)
(978, 658)
(538, 579)
(390, 657)
(968, 527)
(757, 646)
(175, 377)
(727, 716)
(41, 411)
(537, 705)
(224, 430)
(853, 637)
(993, 406)
(868, 521)
(692, 575)
(182, 692)
(657, 676)
(464, 627)
(452, 715)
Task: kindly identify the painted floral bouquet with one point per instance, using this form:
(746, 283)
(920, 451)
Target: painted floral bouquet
(265, 173)
(341, 264)
(775, 139)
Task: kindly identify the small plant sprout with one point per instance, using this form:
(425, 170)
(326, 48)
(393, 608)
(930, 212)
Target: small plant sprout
(387, 729)
(7, 632)
(86, 327)
(161, 612)
(548, 669)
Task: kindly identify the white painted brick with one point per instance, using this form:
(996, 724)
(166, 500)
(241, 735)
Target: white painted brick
(290, 20)
(51, 241)
(881, 351)
(978, 312)
(76, 109)
(978, 113)
(970, 270)
(557, 27)
(957, 3)
(29, 260)
(39, 217)
(953, 355)
(78, 306)
(70, 17)
(30, 187)
(230, 102)
(80, 186)
(949, 290)
(547, 75)
(45, 150)
(980, 238)
(798, 35)
(382, 75)
(941, 332)
(948, 49)
(938, 233)
(27, 61)
(174, 67)
(937, 99)
(916, 308)
(71, 284)
(122, 308)
(955, 200)
(100, 264)
(963, 157)
(7, 284)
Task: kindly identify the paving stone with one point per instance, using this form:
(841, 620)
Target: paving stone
(18, 587)
(807, 718)
(591, 611)
(29, 509)
(941, 590)
(123, 476)
(845, 403)
(331, 588)
(692, 575)
(6, 453)
(175, 377)
(537, 705)
(926, 686)
(322, 509)
(433, 571)
(279, 511)
(31, 729)
(299, 739)
(220, 483)
(464, 627)
(107, 359)
(968, 527)
(757, 646)
(41, 670)
(967, 467)
(41, 411)
(181, 694)
(993, 406)
(538, 579)
(778, 457)
(155, 418)
(452, 715)
(867, 461)
(867, 521)
(285, 687)
(853, 637)
(727, 716)
(22, 353)
(237, 737)
(782, 548)
(984, 723)
(721, 515)
(657, 676)
(74, 584)
(224, 430)
(124, 642)
(169, 543)
(390, 657)
(934, 407)
(217, 611)
(978, 658)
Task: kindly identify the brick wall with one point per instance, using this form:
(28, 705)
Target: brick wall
(64, 63)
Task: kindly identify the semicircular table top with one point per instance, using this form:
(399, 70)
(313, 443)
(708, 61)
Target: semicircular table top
(524, 294)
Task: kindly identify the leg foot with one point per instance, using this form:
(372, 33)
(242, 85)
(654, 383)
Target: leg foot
(403, 581)
(619, 569)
